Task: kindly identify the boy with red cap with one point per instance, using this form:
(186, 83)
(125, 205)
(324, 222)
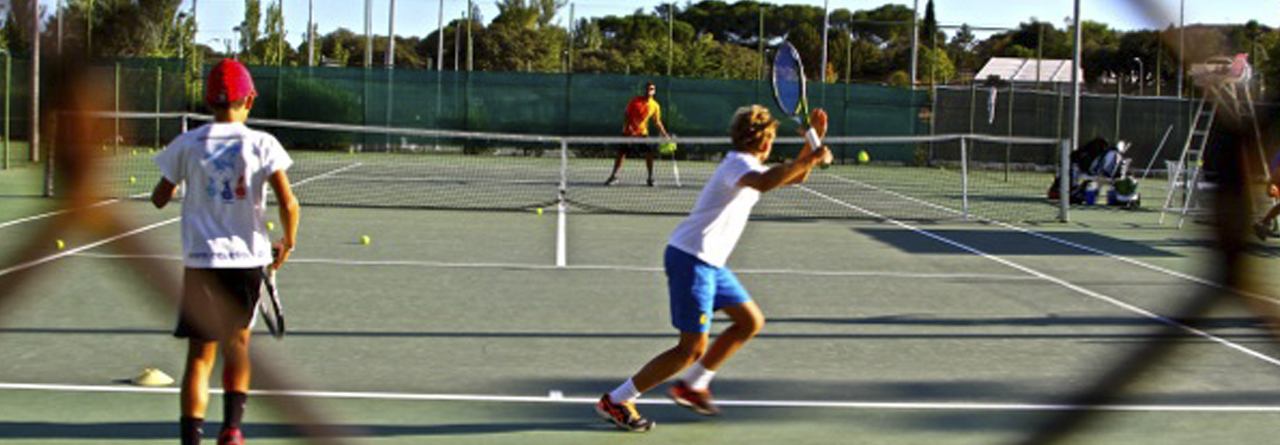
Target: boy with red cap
(225, 244)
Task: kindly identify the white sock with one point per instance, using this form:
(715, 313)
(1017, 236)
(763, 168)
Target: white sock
(627, 392)
(699, 377)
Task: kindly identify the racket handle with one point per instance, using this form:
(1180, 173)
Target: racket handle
(811, 136)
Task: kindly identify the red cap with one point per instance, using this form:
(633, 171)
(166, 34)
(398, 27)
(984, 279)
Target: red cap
(229, 81)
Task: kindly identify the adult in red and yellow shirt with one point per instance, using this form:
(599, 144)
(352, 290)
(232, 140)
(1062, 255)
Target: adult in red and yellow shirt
(639, 111)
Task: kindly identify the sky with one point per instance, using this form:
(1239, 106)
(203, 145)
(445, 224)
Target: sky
(218, 18)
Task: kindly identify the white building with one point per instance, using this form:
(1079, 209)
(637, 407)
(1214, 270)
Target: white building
(1027, 71)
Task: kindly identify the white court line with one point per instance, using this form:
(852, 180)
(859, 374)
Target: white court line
(85, 247)
(94, 244)
(1074, 245)
(1053, 279)
(606, 268)
(59, 212)
(558, 397)
(140, 195)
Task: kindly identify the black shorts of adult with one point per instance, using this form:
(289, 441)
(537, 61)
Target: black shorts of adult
(217, 302)
(637, 149)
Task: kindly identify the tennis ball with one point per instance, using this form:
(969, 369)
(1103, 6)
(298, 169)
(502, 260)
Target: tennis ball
(271, 225)
(133, 179)
(863, 157)
(60, 243)
(539, 211)
(365, 240)
(133, 153)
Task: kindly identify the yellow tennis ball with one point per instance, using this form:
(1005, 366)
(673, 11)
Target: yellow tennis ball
(539, 211)
(365, 240)
(271, 225)
(133, 152)
(863, 157)
(133, 179)
(60, 243)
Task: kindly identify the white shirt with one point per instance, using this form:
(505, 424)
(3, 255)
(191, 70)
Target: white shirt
(719, 216)
(226, 167)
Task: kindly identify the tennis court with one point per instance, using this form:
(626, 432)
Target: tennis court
(456, 326)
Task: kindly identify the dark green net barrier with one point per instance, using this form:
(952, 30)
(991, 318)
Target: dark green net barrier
(539, 103)
(1143, 121)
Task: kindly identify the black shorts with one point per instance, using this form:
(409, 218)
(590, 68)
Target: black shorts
(638, 149)
(217, 302)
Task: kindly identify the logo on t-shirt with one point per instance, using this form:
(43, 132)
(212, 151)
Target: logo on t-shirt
(226, 178)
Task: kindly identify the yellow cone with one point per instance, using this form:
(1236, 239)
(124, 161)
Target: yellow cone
(152, 377)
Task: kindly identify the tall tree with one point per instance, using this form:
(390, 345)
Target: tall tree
(272, 49)
(248, 29)
(928, 28)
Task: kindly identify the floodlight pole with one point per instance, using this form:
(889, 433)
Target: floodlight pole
(1065, 162)
(35, 89)
(671, 35)
(1141, 79)
(471, 18)
(311, 33)
(915, 36)
(368, 33)
(1182, 42)
(440, 38)
(826, 26)
(283, 42)
(88, 33)
(391, 36)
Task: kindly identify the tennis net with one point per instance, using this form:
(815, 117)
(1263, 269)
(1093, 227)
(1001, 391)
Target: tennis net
(940, 177)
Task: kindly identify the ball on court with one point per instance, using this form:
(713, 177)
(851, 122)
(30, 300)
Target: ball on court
(133, 179)
(60, 243)
(863, 157)
(271, 225)
(365, 240)
(538, 211)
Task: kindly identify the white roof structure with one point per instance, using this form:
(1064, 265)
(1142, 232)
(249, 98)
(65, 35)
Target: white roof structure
(1018, 70)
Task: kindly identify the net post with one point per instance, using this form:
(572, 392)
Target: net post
(561, 207)
(964, 177)
(8, 83)
(115, 136)
(159, 87)
(1064, 169)
(51, 158)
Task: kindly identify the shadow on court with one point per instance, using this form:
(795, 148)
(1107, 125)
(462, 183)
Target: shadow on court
(167, 430)
(983, 333)
(1008, 242)
(1050, 320)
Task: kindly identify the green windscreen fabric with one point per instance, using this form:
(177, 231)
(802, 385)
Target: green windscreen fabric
(1142, 121)
(550, 103)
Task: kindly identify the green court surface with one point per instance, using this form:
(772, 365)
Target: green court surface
(457, 327)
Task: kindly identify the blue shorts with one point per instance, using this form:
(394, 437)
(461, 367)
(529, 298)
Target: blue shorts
(698, 289)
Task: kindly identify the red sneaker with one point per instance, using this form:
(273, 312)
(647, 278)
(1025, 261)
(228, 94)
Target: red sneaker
(697, 400)
(623, 415)
(231, 436)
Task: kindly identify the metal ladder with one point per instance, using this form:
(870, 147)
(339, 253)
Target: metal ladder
(1186, 173)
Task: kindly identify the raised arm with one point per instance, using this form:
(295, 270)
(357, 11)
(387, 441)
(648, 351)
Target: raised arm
(818, 120)
(790, 172)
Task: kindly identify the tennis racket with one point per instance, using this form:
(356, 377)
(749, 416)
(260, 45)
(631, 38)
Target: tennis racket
(789, 90)
(670, 148)
(270, 308)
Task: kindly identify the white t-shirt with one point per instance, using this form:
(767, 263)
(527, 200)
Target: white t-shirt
(226, 167)
(720, 214)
